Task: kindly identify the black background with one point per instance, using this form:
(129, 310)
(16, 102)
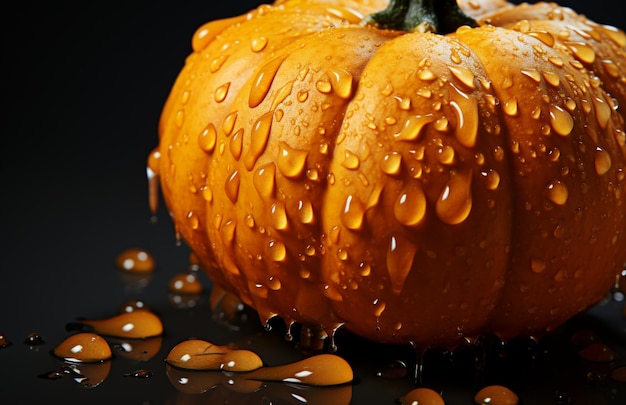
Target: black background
(83, 85)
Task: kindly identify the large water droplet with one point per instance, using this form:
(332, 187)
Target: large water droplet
(208, 138)
(341, 81)
(264, 180)
(232, 186)
(259, 137)
(291, 162)
(391, 163)
(413, 127)
(410, 206)
(455, 201)
(561, 121)
(278, 214)
(263, 81)
(353, 213)
(557, 192)
(84, 347)
(602, 161)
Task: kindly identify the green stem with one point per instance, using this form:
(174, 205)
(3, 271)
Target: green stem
(439, 16)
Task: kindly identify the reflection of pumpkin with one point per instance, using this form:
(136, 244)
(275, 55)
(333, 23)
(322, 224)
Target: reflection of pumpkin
(412, 187)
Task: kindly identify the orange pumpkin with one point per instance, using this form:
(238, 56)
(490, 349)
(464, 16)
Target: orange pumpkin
(409, 176)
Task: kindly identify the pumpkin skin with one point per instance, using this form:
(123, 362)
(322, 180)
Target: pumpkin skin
(408, 187)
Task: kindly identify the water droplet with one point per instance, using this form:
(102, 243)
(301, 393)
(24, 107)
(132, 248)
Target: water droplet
(422, 396)
(179, 118)
(445, 155)
(263, 81)
(544, 36)
(557, 192)
(305, 212)
(195, 354)
(277, 250)
(291, 162)
(400, 255)
(209, 31)
(538, 265)
(533, 74)
(391, 163)
(278, 213)
(84, 347)
(602, 161)
(455, 201)
(350, 160)
(136, 324)
(193, 220)
(221, 92)
(258, 139)
(491, 179)
(324, 86)
(413, 127)
(561, 121)
(496, 395)
(135, 260)
(426, 75)
(617, 35)
(603, 112)
(319, 370)
(510, 107)
(410, 206)
(232, 186)
(229, 123)
(258, 44)
(341, 81)
(185, 283)
(264, 180)
(208, 138)
(217, 63)
(552, 78)
(236, 144)
(465, 75)
(353, 213)
(582, 51)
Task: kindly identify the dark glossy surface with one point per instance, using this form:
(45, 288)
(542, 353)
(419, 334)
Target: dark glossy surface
(83, 89)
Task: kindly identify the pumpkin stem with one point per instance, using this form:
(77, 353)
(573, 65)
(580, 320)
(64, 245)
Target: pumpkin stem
(438, 16)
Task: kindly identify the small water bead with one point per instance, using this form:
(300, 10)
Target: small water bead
(496, 395)
(34, 339)
(4, 341)
(422, 396)
(135, 260)
(196, 354)
(133, 305)
(185, 283)
(84, 347)
(135, 324)
(258, 44)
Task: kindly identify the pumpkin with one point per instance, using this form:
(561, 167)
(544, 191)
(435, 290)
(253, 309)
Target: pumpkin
(412, 172)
